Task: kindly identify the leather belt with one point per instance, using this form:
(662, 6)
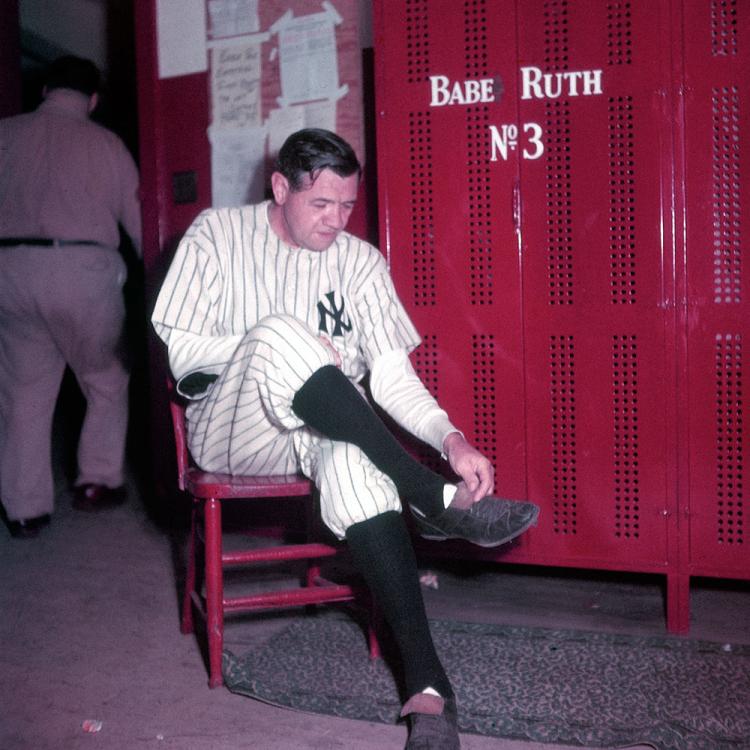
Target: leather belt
(43, 241)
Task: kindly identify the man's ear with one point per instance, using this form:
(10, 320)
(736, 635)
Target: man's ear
(93, 101)
(280, 188)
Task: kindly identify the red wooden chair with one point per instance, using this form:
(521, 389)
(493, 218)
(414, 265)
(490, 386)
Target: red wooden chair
(208, 492)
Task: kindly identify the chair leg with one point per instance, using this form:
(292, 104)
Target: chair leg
(313, 574)
(186, 624)
(373, 643)
(214, 591)
(373, 623)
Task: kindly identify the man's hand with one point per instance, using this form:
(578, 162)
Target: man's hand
(329, 344)
(470, 465)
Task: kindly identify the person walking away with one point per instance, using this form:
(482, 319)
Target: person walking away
(66, 186)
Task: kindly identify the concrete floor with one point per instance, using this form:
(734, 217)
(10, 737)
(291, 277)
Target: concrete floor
(90, 631)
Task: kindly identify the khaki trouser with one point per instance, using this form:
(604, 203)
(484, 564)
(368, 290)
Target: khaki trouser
(57, 306)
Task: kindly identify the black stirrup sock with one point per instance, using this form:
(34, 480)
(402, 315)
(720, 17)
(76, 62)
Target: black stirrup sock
(330, 404)
(383, 554)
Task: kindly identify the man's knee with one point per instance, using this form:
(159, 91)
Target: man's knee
(286, 341)
(283, 329)
(352, 489)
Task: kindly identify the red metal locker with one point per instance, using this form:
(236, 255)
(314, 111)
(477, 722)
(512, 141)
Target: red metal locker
(561, 207)
(447, 214)
(597, 279)
(716, 126)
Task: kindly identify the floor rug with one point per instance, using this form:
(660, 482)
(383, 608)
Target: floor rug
(556, 686)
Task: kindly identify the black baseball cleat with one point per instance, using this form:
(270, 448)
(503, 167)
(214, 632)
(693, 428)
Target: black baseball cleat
(433, 723)
(488, 523)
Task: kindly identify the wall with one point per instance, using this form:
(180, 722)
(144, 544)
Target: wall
(75, 26)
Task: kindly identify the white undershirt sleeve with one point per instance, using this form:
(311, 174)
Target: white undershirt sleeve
(190, 353)
(397, 389)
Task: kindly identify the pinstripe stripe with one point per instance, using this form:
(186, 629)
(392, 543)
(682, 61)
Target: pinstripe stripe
(331, 473)
(179, 266)
(346, 472)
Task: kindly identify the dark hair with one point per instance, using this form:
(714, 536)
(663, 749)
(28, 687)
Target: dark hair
(309, 151)
(70, 72)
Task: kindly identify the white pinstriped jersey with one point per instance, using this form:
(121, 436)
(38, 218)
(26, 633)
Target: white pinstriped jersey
(231, 270)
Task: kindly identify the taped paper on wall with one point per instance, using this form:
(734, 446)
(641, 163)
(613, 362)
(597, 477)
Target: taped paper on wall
(308, 56)
(232, 18)
(237, 165)
(181, 37)
(284, 121)
(235, 85)
(265, 84)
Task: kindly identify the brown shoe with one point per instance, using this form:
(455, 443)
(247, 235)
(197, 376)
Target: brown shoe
(433, 723)
(27, 528)
(91, 498)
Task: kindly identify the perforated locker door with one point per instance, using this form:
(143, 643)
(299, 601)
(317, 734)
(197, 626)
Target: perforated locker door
(570, 374)
(598, 302)
(717, 141)
(446, 213)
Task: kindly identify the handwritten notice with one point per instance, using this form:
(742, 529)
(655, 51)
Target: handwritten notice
(235, 85)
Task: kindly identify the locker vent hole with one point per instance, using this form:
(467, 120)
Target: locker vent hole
(559, 218)
(727, 255)
(422, 209)
(478, 171)
(483, 392)
(723, 27)
(475, 38)
(563, 403)
(480, 206)
(417, 41)
(426, 366)
(621, 200)
(729, 440)
(619, 33)
(556, 35)
(426, 362)
(625, 420)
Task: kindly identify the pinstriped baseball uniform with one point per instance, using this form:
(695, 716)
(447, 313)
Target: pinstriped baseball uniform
(241, 304)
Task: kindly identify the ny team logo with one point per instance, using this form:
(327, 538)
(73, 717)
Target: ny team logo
(339, 320)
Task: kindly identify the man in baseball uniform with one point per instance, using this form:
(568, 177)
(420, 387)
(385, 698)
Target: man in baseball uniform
(272, 315)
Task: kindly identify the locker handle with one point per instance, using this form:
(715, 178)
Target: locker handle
(516, 206)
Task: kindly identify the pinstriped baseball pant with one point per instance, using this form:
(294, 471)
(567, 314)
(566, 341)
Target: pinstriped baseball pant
(245, 425)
